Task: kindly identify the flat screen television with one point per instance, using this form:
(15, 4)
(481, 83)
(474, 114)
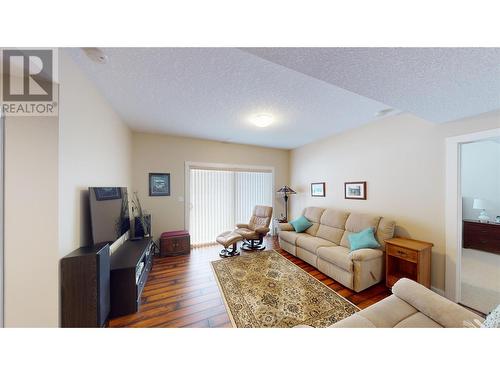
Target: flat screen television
(109, 213)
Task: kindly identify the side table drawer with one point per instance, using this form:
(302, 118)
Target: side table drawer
(400, 252)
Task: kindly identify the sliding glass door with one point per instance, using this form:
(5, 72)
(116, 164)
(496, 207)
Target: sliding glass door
(221, 198)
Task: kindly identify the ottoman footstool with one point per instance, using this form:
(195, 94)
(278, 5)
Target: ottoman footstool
(229, 239)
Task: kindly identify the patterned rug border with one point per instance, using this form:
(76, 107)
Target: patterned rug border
(226, 305)
(229, 312)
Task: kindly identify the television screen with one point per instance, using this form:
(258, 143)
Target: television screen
(109, 213)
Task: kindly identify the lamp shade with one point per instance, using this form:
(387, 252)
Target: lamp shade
(479, 204)
(286, 190)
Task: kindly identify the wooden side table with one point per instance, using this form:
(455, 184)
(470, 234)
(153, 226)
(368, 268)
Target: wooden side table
(174, 243)
(408, 258)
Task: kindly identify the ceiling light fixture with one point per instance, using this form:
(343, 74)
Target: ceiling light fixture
(262, 120)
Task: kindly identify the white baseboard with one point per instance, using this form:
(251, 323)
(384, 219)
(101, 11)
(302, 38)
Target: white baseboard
(438, 291)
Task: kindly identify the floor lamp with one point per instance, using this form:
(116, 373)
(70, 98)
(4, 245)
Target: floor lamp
(286, 191)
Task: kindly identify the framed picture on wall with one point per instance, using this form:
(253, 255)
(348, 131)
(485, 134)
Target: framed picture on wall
(159, 184)
(355, 190)
(318, 189)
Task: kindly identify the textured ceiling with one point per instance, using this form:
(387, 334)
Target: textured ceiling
(436, 84)
(313, 93)
(211, 92)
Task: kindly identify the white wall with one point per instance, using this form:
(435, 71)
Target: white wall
(481, 177)
(402, 158)
(49, 163)
(31, 208)
(94, 150)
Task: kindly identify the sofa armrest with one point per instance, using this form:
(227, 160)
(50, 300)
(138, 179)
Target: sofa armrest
(441, 310)
(261, 230)
(242, 226)
(286, 227)
(365, 254)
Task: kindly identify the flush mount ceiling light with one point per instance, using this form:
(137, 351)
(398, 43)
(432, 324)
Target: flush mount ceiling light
(262, 120)
(96, 55)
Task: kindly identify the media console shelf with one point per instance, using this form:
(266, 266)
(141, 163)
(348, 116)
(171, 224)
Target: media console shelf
(130, 266)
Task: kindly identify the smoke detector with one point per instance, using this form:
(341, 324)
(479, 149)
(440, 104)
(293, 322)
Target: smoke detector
(384, 112)
(96, 55)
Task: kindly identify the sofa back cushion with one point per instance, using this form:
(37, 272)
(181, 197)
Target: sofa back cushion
(384, 231)
(313, 214)
(356, 223)
(332, 225)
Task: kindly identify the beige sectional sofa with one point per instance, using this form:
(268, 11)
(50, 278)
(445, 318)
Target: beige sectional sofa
(325, 245)
(411, 306)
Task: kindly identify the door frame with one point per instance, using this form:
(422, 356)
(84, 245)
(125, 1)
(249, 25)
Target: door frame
(188, 165)
(453, 209)
(2, 219)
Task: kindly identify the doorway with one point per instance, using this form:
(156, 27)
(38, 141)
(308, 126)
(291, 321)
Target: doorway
(472, 183)
(480, 193)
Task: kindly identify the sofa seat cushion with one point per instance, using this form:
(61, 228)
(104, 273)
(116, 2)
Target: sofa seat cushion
(311, 243)
(337, 255)
(417, 320)
(290, 237)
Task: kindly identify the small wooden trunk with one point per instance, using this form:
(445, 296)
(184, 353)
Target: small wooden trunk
(175, 243)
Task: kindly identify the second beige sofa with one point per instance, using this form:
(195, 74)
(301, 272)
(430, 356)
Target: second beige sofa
(325, 245)
(411, 306)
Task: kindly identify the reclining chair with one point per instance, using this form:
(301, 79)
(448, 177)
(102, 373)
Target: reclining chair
(254, 232)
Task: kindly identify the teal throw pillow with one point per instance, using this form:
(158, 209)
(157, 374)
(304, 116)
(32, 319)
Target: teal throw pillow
(364, 239)
(300, 224)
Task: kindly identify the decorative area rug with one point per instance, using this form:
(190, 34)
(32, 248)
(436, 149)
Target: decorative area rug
(266, 290)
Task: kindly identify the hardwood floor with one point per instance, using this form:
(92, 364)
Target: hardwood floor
(182, 291)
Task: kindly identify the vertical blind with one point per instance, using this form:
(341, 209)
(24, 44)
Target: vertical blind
(220, 199)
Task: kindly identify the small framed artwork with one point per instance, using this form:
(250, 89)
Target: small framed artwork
(318, 189)
(159, 184)
(355, 190)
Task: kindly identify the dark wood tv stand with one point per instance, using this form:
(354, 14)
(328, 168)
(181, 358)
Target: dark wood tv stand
(128, 277)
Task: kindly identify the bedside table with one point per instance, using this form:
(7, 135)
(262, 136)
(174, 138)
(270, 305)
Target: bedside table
(408, 258)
